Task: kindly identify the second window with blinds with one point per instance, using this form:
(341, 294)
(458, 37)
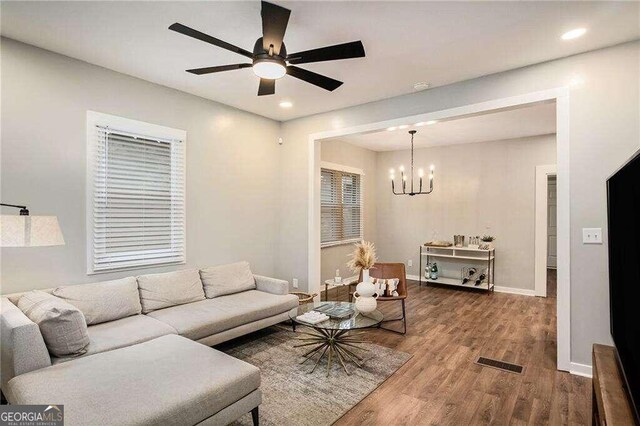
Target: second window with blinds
(136, 194)
(340, 205)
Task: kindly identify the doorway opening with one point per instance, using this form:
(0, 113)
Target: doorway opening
(546, 231)
(561, 98)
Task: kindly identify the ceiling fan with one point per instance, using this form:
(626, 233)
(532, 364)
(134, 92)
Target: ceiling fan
(270, 60)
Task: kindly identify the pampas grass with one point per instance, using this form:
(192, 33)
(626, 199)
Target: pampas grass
(363, 257)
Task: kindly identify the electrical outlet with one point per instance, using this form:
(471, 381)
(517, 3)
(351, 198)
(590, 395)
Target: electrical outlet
(592, 235)
(410, 262)
(295, 283)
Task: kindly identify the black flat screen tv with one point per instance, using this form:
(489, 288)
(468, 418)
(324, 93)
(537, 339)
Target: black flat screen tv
(623, 195)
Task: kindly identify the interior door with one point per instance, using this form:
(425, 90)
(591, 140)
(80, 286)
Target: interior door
(552, 254)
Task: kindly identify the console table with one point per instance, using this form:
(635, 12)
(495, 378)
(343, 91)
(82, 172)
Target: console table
(610, 405)
(461, 254)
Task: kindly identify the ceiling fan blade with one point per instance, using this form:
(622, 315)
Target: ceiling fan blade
(267, 87)
(316, 79)
(354, 49)
(183, 29)
(274, 25)
(209, 70)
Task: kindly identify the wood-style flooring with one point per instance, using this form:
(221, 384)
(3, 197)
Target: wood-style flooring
(441, 385)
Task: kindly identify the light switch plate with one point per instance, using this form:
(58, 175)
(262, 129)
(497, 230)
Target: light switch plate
(410, 262)
(295, 283)
(592, 235)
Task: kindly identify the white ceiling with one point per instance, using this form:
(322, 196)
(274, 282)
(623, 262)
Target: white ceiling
(535, 120)
(406, 42)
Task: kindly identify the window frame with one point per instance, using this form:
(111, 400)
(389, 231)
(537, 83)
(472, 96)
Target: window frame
(350, 170)
(148, 130)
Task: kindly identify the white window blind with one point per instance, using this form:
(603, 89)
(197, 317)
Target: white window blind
(341, 207)
(138, 211)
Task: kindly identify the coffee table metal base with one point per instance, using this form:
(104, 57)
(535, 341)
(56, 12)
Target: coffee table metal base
(336, 345)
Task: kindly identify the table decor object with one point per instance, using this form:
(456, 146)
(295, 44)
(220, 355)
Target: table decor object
(362, 259)
(312, 317)
(438, 243)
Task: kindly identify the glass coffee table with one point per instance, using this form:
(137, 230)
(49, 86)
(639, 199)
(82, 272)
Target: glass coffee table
(334, 338)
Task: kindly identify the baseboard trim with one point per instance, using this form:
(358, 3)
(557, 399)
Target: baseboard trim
(519, 291)
(581, 370)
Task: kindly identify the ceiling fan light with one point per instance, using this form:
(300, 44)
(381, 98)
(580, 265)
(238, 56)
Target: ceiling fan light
(270, 70)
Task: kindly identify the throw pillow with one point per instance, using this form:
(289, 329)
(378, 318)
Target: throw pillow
(104, 301)
(62, 325)
(227, 279)
(158, 291)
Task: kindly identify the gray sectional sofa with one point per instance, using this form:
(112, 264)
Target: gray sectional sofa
(141, 354)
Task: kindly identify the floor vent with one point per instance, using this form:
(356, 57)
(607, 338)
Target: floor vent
(500, 365)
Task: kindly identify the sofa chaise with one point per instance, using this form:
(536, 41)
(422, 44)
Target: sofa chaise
(141, 354)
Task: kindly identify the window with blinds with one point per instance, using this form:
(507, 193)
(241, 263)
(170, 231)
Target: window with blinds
(138, 200)
(341, 207)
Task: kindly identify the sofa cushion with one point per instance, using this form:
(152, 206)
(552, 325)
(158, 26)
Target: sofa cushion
(212, 316)
(62, 325)
(169, 381)
(159, 291)
(121, 333)
(227, 279)
(104, 301)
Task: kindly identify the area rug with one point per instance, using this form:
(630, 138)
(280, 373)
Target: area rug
(292, 396)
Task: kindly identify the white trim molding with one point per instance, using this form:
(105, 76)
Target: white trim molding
(558, 95)
(341, 168)
(510, 290)
(541, 227)
(513, 290)
(583, 370)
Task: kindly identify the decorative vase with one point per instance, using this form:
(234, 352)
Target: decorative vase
(365, 302)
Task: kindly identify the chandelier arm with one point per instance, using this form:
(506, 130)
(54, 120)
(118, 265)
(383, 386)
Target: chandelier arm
(393, 189)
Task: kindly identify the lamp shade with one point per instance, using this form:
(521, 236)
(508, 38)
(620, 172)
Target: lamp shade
(30, 231)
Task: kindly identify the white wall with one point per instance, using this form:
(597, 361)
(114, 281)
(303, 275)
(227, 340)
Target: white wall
(340, 152)
(604, 131)
(479, 188)
(232, 165)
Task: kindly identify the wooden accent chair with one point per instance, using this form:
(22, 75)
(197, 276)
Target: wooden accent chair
(387, 271)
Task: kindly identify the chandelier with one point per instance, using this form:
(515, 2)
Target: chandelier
(403, 177)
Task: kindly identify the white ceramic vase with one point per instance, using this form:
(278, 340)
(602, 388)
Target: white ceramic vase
(366, 304)
(365, 301)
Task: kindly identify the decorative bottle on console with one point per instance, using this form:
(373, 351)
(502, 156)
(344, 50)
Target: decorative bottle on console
(434, 271)
(427, 271)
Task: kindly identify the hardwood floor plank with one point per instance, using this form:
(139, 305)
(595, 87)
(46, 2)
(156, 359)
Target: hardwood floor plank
(441, 385)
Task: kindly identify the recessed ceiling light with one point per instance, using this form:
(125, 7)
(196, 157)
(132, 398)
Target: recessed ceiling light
(430, 122)
(391, 129)
(404, 126)
(421, 86)
(286, 104)
(570, 35)
(420, 124)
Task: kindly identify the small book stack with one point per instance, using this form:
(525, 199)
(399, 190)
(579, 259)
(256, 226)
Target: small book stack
(312, 317)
